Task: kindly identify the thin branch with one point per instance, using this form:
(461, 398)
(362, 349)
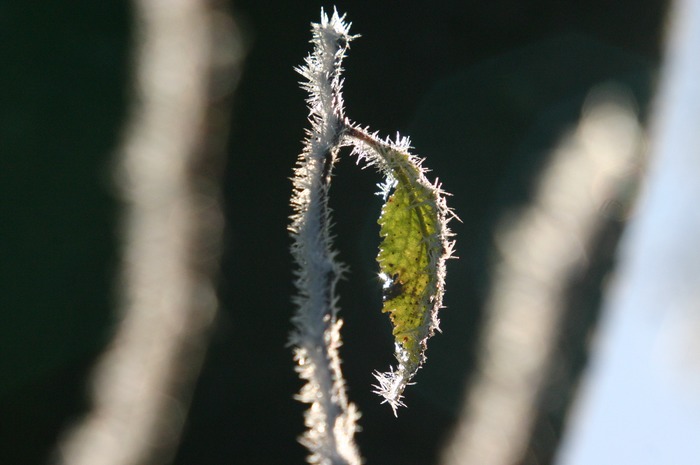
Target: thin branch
(331, 419)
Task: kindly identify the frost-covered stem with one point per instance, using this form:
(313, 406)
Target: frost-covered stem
(331, 419)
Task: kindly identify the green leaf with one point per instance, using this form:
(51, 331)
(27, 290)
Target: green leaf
(408, 222)
(415, 245)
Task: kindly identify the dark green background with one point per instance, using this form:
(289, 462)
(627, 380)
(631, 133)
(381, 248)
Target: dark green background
(483, 88)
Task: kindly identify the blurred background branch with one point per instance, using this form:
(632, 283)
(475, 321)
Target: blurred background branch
(640, 402)
(168, 174)
(542, 249)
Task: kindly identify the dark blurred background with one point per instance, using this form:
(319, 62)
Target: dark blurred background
(484, 88)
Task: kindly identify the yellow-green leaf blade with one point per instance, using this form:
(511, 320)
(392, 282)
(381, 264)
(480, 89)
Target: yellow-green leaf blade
(415, 245)
(408, 220)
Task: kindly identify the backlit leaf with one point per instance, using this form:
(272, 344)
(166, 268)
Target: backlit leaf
(415, 244)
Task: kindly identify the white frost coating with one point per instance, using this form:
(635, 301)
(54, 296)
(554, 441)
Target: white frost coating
(331, 419)
(641, 399)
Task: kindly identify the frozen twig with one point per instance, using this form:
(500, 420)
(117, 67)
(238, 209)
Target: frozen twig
(331, 419)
